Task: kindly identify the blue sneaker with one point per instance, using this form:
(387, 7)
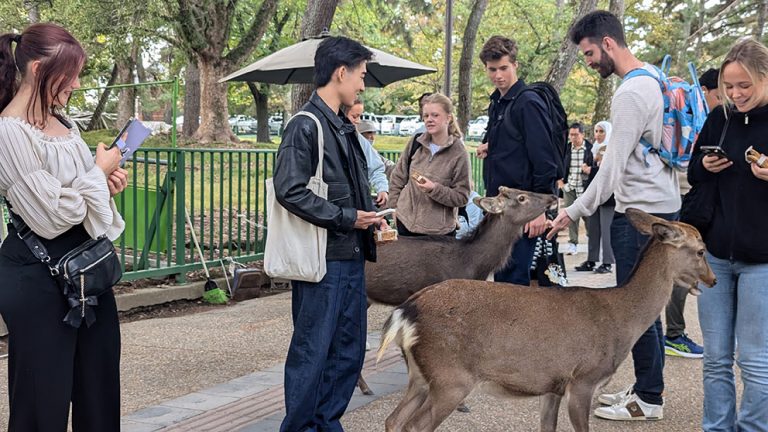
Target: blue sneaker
(682, 346)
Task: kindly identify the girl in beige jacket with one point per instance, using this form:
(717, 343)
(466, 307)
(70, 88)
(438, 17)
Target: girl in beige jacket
(428, 188)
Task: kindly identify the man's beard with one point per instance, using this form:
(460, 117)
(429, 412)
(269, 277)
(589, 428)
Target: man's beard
(606, 67)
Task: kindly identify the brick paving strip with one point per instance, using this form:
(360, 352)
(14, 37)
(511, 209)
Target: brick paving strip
(255, 402)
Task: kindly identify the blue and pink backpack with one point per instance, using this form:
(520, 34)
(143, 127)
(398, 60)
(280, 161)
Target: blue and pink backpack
(685, 110)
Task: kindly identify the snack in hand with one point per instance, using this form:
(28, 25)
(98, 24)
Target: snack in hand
(754, 156)
(385, 236)
(420, 179)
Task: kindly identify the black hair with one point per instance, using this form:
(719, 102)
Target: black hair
(577, 125)
(337, 51)
(597, 25)
(423, 95)
(709, 78)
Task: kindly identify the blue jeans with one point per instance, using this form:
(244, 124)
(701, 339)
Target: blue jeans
(327, 348)
(518, 269)
(648, 351)
(736, 309)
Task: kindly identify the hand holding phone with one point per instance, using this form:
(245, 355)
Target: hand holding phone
(716, 151)
(385, 212)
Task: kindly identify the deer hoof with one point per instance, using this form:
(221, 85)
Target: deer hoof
(463, 408)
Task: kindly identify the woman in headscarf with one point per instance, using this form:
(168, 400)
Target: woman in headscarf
(600, 222)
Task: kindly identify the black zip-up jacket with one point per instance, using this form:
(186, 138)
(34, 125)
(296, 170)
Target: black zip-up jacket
(738, 230)
(344, 170)
(521, 154)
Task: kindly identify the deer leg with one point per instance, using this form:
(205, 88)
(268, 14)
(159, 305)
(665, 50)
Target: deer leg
(363, 386)
(414, 397)
(579, 404)
(441, 401)
(550, 404)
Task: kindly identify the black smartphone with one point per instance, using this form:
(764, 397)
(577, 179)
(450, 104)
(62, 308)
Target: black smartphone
(119, 135)
(714, 151)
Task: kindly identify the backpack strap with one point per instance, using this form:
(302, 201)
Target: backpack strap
(412, 152)
(649, 148)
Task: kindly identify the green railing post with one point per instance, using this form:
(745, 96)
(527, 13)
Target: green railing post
(181, 223)
(174, 110)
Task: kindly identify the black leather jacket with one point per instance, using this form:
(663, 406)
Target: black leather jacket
(344, 170)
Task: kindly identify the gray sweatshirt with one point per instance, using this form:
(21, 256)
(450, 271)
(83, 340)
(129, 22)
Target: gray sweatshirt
(638, 181)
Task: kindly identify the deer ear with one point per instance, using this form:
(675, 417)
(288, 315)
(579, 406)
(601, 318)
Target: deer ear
(642, 220)
(667, 233)
(489, 205)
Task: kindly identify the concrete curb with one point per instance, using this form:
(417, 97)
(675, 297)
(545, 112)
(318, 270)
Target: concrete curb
(164, 294)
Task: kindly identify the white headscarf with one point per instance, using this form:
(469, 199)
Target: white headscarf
(606, 126)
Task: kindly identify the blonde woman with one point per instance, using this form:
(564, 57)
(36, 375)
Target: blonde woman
(428, 188)
(737, 245)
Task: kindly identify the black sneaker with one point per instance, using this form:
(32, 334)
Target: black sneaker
(604, 268)
(586, 266)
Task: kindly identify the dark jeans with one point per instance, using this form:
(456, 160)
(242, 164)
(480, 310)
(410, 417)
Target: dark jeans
(674, 312)
(648, 352)
(518, 269)
(327, 348)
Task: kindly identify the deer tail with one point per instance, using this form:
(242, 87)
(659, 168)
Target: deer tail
(400, 329)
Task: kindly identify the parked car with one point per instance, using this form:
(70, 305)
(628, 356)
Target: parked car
(242, 124)
(275, 124)
(410, 125)
(390, 124)
(477, 127)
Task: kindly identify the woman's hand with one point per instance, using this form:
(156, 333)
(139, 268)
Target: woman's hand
(761, 173)
(586, 169)
(117, 181)
(107, 160)
(715, 164)
(427, 186)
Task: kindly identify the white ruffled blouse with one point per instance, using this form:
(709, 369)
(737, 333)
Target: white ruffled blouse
(53, 182)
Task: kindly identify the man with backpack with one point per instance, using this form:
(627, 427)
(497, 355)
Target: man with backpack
(518, 149)
(639, 178)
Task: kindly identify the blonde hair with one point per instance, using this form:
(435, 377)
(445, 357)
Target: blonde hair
(750, 55)
(447, 104)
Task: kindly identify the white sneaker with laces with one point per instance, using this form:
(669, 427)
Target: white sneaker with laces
(614, 398)
(631, 408)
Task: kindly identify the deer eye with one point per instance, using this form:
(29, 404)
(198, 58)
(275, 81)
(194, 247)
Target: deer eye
(522, 199)
(700, 253)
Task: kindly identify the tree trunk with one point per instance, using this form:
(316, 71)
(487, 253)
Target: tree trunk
(566, 58)
(319, 16)
(465, 63)
(191, 100)
(33, 11)
(126, 102)
(761, 14)
(214, 126)
(261, 99)
(95, 122)
(607, 86)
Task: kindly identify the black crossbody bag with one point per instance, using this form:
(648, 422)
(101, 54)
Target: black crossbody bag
(83, 273)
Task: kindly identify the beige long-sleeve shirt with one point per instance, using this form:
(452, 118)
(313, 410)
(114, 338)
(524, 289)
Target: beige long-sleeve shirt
(53, 183)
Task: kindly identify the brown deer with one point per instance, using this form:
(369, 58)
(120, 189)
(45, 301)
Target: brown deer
(412, 263)
(460, 335)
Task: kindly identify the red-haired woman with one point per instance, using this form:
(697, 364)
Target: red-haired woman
(55, 186)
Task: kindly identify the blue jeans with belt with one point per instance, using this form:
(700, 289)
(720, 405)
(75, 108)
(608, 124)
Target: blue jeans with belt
(735, 310)
(327, 348)
(648, 352)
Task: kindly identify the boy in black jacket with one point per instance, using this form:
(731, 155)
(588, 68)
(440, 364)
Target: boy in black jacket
(517, 149)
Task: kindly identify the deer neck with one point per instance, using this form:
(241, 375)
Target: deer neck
(492, 244)
(643, 297)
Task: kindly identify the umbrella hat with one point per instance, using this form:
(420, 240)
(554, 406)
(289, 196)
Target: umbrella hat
(295, 65)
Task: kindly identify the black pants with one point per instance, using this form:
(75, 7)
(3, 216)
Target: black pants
(50, 363)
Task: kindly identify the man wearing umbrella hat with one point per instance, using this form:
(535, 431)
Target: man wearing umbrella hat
(329, 317)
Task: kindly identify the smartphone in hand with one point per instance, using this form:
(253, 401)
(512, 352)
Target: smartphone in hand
(714, 151)
(385, 212)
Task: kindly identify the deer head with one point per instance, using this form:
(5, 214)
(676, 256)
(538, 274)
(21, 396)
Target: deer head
(521, 206)
(688, 255)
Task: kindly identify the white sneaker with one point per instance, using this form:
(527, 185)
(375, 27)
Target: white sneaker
(572, 249)
(367, 346)
(631, 408)
(614, 398)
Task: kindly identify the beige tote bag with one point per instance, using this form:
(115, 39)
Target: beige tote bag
(295, 248)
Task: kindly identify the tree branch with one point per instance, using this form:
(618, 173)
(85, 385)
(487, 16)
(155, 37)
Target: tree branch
(255, 33)
(709, 23)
